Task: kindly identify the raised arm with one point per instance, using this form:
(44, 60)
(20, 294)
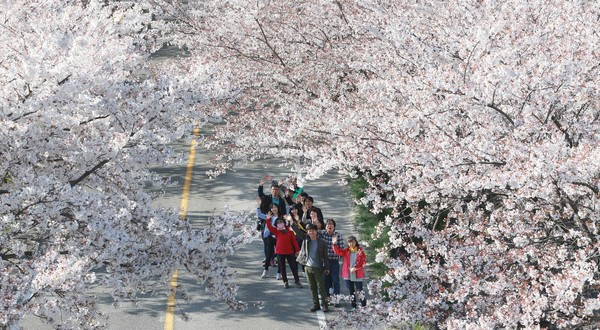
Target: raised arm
(260, 186)
(272, 228)
(339, 251)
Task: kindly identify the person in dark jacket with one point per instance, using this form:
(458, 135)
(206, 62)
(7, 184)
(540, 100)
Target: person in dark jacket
(313, 255)
(275, 195)
(299, 228)
(299, 204)
(308, 207)
(268, 246)
(297, 225)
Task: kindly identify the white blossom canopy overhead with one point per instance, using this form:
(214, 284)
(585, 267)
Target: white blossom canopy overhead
(476, 123)
(78, 133)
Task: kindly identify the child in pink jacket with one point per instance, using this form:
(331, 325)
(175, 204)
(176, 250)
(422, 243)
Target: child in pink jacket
(353, 268)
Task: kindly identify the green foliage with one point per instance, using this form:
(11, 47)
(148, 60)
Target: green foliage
(412, 326)
(419, 326)
(8, 178)
(357, 187)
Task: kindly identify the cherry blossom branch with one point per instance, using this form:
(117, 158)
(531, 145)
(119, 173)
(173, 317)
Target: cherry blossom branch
(527, 98)
(93, 119)
(237, 50)
(12, 256)
(65, 79)
(468, 62)
(266, 41)
(592, 188)
(345, 136)
(470, 163)
(568, 137)
(494, 106)
(88, 172)
(342, 11)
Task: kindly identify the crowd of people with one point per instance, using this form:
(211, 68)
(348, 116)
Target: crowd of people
(295, 233)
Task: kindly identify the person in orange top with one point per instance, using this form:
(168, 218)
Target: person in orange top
(353, 268)
(286, 248)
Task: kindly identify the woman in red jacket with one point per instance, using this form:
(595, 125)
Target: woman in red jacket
(353, 268)
(286, 248)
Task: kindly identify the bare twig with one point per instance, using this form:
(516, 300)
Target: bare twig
(468, 62)
(342, 11)
(592, 188)
(266, 40)
(495, 107)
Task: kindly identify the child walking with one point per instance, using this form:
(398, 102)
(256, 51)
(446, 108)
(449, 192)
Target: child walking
(353, 267)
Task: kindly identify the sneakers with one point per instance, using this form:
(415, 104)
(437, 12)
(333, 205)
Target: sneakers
(278, 276)
(325, 309)
(315, 308)
(298, 285)
(286, 285)
(264, 274)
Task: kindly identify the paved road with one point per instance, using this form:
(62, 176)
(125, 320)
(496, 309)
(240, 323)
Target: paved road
(270, 305)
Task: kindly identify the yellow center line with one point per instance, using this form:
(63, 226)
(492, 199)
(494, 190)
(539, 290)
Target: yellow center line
(169, 317)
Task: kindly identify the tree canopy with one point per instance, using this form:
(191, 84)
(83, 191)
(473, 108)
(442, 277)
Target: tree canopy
(475, 122)
(79, 131)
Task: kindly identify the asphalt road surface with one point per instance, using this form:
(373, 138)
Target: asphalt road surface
(270, 306)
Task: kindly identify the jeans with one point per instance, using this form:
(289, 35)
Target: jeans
(269, 246)
(298, 265)
(332, 280)
(355, 288)
(291, 258)
(315, 282)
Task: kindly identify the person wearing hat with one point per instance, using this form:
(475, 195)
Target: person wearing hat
(313, 255)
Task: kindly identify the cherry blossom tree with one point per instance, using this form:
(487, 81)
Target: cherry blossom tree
(80, 128)
(475, 122)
